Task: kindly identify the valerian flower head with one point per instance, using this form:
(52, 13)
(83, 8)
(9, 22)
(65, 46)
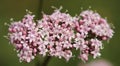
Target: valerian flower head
(93, 29)
(58, 34)
(96, 24)
(23, 35)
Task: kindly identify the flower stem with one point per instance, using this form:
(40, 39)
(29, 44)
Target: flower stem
(40, 7)
(37, 63)
(46, 61)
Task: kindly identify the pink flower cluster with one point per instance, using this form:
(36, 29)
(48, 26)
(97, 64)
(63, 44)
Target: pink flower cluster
(93, 29)
(23, 35)
(57, 34)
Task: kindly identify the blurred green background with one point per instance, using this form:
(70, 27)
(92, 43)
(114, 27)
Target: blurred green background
(16, 9)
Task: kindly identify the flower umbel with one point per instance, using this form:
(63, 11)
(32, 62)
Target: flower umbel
(23, 35)
(93, 29)
(57, 34)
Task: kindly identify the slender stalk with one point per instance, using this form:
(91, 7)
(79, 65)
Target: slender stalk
(37, 62)
(40, 7)
(39, 15)
(46, 61)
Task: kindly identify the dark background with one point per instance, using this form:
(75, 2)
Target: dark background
(16, 9)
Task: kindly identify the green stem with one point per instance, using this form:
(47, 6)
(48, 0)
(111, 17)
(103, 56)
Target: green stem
(46, 61)
(40, 7)
(37, 62)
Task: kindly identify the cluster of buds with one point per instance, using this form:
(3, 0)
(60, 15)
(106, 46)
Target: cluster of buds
(93, 30)
(57, 34)
(23, 35)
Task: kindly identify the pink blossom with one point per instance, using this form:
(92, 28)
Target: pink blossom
(91, 30)
(57, 30)
(58, 34)
(99, 26)
(23, 36)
